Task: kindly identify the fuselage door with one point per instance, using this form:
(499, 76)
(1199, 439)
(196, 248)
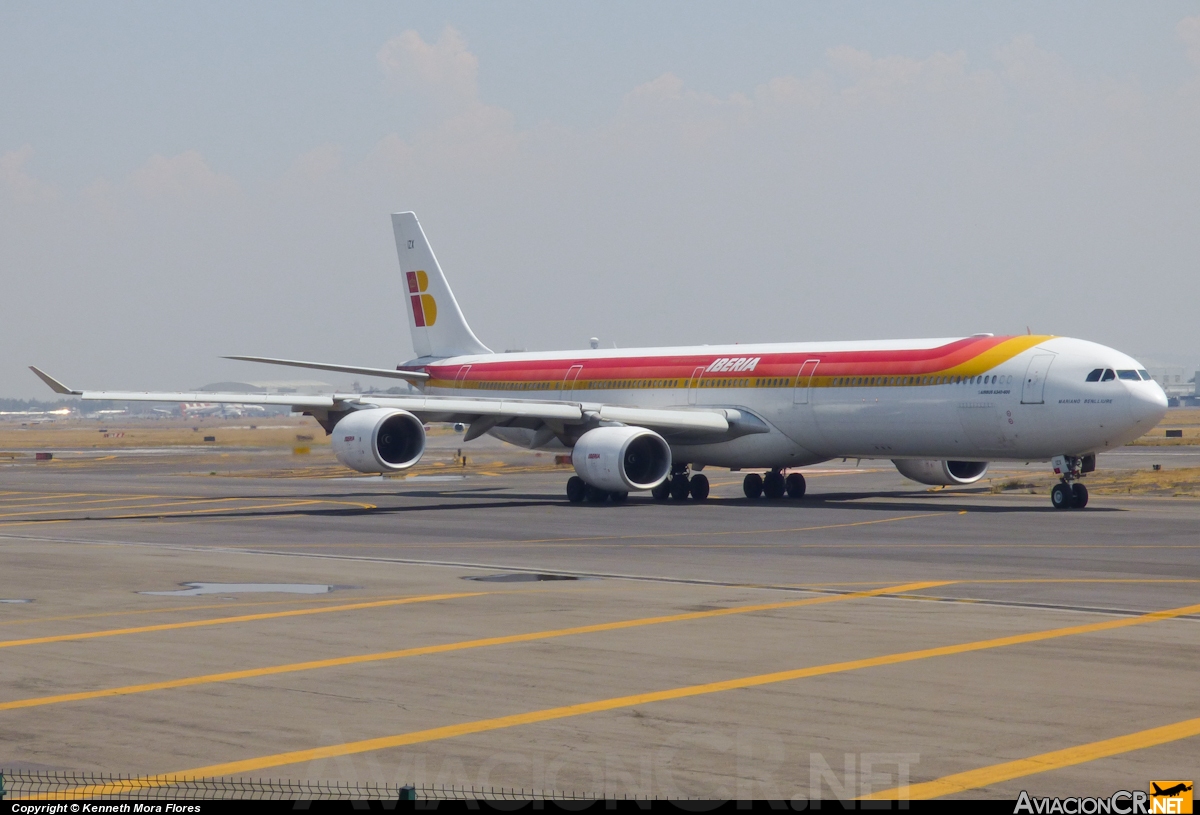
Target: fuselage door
(694, 384)
(1034, 386)
(804, 381)
(568, 382)
(460, 378)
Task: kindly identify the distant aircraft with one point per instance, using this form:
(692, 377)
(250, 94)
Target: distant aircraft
(58, 412)
(1170, 792)
(652, 418)
(218, 409)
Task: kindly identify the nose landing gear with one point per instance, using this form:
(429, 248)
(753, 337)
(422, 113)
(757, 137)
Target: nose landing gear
(1069, 493)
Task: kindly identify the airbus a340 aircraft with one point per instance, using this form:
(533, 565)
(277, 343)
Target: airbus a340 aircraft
(652, 418)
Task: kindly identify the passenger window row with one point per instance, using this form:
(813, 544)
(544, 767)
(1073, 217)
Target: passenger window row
(724, 383)
(1100, 374)
(1108, 374)
(602, 384)
(858, 381)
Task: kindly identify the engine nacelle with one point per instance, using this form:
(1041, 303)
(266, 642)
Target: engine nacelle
(379, 440)
(621, 459)
(942, 473)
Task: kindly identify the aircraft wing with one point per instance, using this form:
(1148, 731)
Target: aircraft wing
(456, 409)
(297, 400)
(699, 421)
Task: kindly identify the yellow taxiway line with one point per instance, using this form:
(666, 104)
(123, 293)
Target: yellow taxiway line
(358, 659)
(300, 600)
(652, 536)
(64, 499)
(189, 502)
(56, 506)
(568, 711)
(1054, 760)
(244, 618)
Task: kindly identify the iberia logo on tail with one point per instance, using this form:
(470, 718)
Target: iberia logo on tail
(423, 305)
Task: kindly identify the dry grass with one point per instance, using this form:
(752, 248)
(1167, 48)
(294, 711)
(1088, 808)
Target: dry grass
(1181, 482)
(1185, 419)
(322, 464)
(267, 432)
(259, 433)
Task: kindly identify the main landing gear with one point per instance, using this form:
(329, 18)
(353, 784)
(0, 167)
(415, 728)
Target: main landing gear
(1069, 493)
(679, 485)
(579, 490)
(774, 485)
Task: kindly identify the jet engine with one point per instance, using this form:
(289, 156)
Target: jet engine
(943, 473)
(379, 440)
(621, 459)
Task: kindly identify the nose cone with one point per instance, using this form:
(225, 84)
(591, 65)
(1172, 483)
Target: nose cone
(1147, 404)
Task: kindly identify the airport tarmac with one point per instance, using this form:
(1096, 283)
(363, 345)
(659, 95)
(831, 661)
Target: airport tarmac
(829, 646)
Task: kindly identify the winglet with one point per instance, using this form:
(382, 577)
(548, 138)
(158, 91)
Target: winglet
(54, 384)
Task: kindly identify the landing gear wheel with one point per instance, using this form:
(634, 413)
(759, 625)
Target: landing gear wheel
(752, 485)
(773, 485)
(679, 486)
(618, 497)
(576, 489)
(699, 487)
(595, 495)
(663, 491)
(1079, 496)
(1061, 496)
(795, 485)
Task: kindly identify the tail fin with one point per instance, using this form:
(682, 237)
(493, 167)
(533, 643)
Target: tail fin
(434, 318)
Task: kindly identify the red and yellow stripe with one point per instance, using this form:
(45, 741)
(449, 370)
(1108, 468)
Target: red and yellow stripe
(951, 362)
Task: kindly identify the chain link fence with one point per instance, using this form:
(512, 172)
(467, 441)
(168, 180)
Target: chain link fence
(19, 784)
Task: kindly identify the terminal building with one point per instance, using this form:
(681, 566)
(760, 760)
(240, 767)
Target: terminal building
(307, 387)
(1179, 383)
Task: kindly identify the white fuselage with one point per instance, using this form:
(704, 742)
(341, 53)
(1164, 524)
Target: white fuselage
(968, 399)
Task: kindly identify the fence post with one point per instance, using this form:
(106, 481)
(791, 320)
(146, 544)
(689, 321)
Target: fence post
(1, 786)
(408, 793)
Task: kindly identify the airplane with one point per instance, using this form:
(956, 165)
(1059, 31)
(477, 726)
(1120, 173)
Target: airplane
(652, 418)
(1170, 792)
(223, 409)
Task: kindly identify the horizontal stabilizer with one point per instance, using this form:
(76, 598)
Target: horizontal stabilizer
(412, 376)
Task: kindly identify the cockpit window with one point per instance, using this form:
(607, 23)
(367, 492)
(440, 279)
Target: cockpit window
(1145, 374)
(1108, 375)
(1132, 375)
(1094, 376)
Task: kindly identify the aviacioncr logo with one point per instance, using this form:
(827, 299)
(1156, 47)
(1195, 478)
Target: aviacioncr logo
(424, 307)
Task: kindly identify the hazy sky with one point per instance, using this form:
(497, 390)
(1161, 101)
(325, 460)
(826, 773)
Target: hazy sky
(180, 181)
